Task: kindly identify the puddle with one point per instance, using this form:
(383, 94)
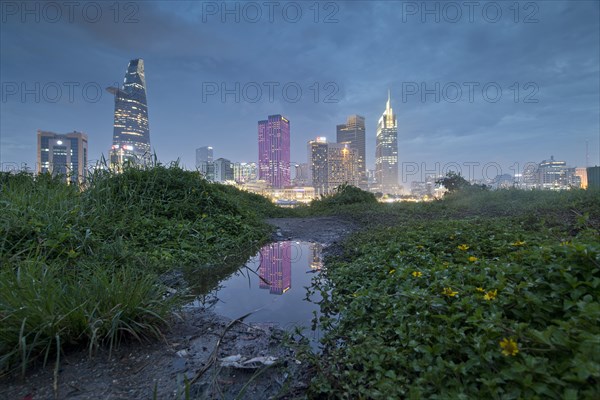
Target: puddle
(274, 283)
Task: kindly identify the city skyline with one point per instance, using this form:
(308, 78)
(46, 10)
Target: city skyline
(556, 78)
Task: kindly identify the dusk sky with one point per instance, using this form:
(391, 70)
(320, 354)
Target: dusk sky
(543, 56)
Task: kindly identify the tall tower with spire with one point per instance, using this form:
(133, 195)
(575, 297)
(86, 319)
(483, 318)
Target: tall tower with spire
(386, 150)
(131, 134)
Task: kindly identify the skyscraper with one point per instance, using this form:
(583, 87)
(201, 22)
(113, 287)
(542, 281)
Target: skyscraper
(63, 154)
(332, 165)
(353, 133)
(131, 134)
(204, 154)
(274, 151)
(275, 269)
(317, 161)
(386, 151)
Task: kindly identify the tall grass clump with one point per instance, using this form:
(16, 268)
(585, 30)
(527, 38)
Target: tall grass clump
(80, 268)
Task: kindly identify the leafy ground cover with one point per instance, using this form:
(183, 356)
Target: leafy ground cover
(485, 295)
(80, 268)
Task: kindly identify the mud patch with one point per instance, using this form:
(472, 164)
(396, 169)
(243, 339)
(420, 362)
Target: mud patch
(145, 371)
(325, 230)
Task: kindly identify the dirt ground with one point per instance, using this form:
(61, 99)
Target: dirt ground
(325, 230)
(192, 351)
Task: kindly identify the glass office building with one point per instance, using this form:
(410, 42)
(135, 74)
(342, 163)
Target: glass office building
(131, 134)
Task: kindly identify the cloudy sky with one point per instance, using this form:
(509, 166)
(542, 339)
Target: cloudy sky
(487, 86)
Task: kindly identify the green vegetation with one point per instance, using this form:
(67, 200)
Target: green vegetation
(454, 182)
(480, 295)
(342, 196)
(80, 268)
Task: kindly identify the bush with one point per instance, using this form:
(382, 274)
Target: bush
(344, 195)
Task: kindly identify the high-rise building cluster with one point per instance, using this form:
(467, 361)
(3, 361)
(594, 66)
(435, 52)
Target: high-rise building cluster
(552, 175)
(329, 164)
(66, 155)
(223, 170)
(344, 162)
(332, 165)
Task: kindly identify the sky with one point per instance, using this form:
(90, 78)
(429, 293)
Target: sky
(482, 87)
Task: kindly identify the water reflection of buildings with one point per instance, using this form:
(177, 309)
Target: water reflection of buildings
(316, 260)
(275, 268)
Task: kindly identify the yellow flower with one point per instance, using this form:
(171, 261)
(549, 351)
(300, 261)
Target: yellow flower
(420, 246)
(480, 289)
(417, 274)
(355, 294)
(392, 271)
(565, 243)
(509, 347)
(463, 247)
(491, 295)
(449, 292)
(518, 243)
(473, 259)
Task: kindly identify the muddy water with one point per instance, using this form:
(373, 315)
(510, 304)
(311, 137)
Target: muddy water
(273, 285)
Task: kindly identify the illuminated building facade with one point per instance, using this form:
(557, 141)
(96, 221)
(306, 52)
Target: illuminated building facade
(582, 174)
(553, 174)
(353, 132)
(386, 151)
(131, 134)
(332, 164)
(244, 172)
(317, 161)
(274, 151)
(63, 154)
(275, 268)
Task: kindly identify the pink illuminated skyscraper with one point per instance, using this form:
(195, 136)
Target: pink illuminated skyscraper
(274, 151)
(276, 267)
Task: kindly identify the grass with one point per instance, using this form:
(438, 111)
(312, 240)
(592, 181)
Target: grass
(80, 268)
(482, 294)
(488, 294)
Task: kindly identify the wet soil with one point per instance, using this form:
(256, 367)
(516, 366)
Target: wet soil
(191, 352)
(325, 230)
